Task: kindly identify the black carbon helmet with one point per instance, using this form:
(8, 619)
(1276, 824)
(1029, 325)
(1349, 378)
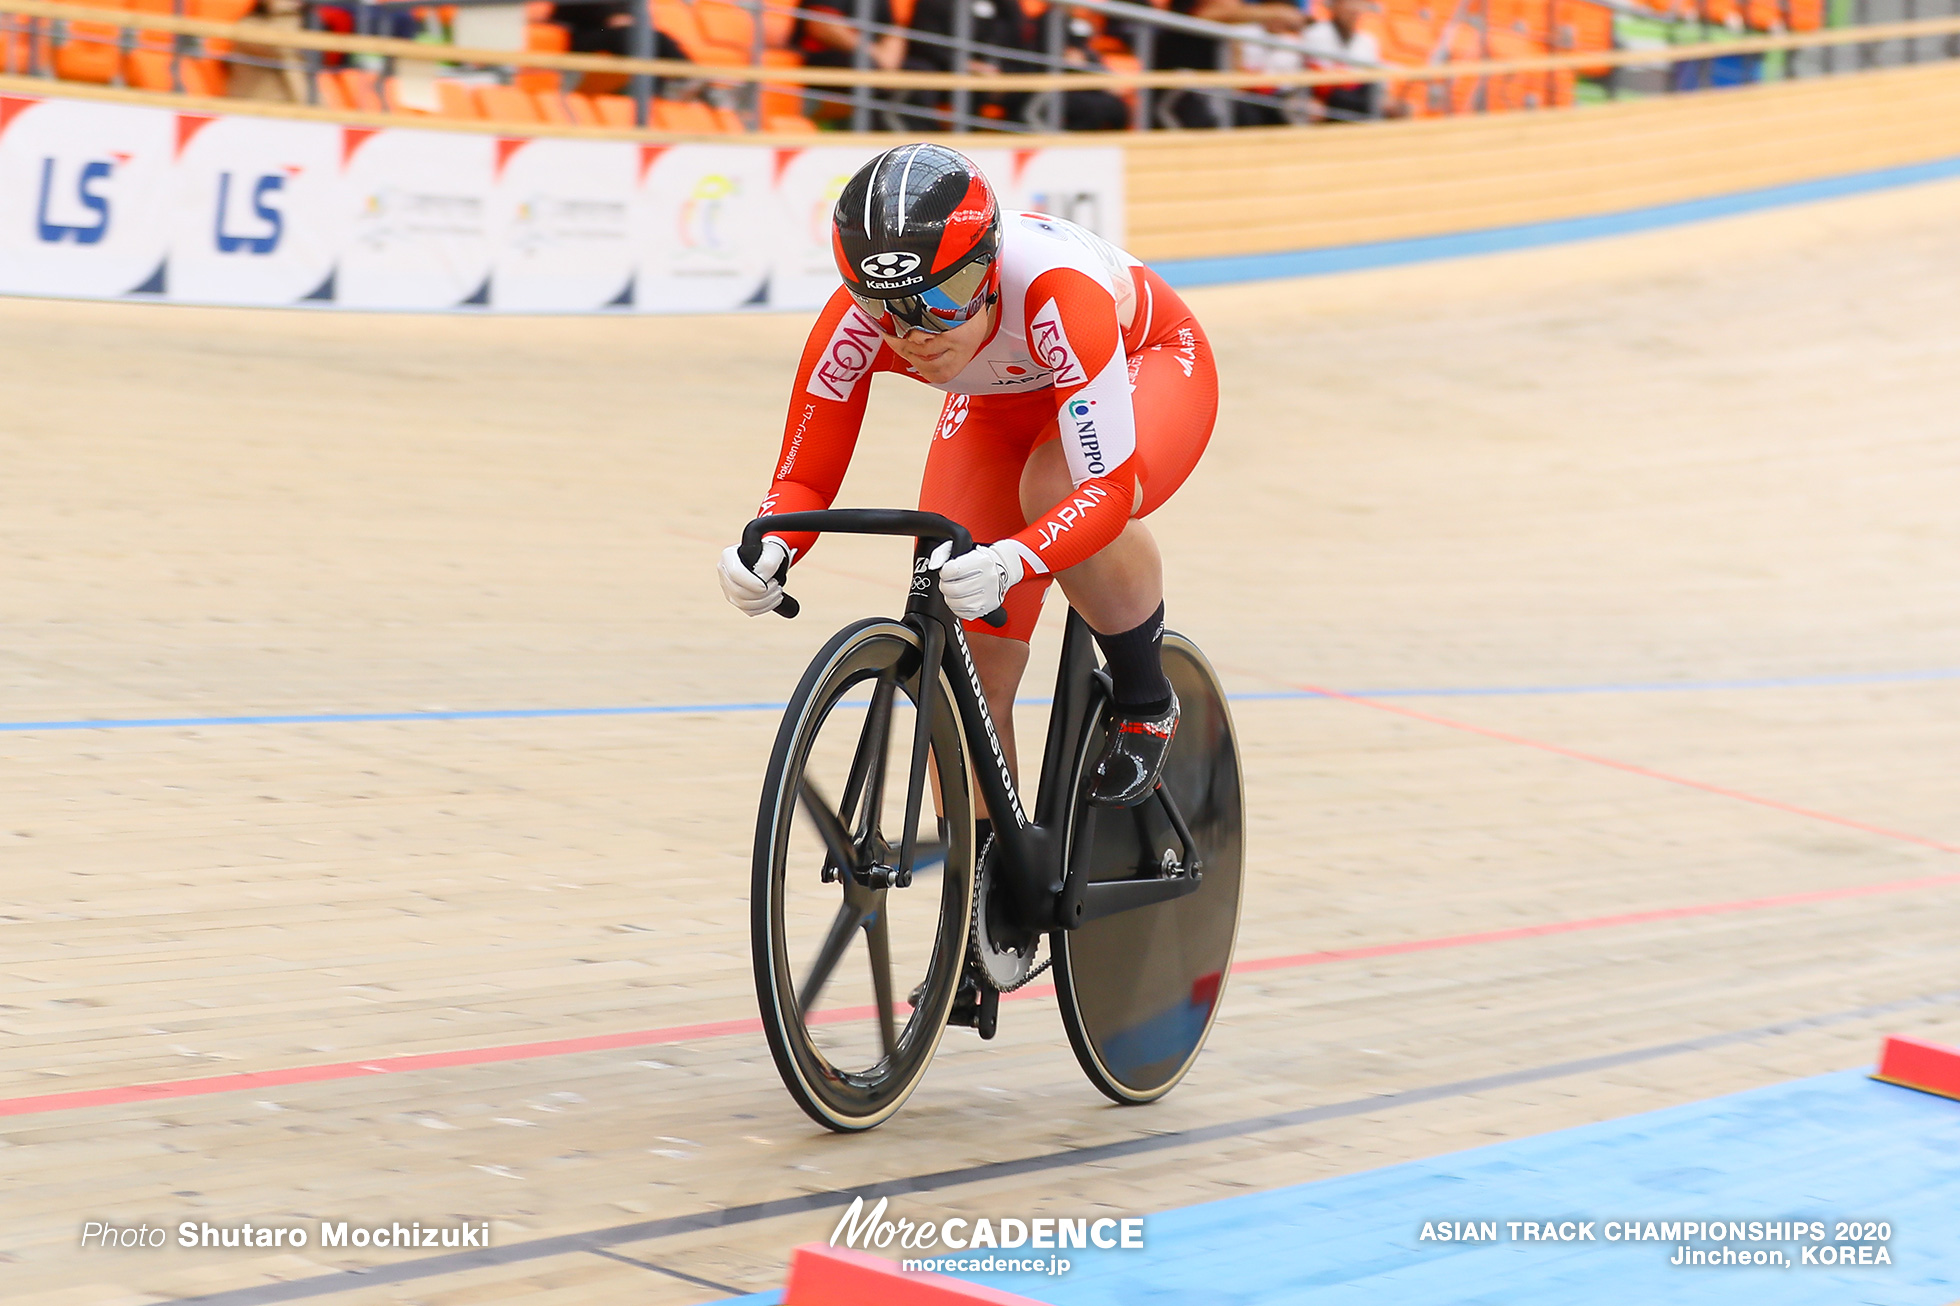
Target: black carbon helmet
(916, 234)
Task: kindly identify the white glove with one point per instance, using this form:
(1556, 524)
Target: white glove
(975, 583)
(754, 591)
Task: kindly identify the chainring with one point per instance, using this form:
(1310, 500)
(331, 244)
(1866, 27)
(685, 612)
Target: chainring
(1003, 955)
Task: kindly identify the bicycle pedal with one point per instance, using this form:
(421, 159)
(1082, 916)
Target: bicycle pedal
(976, 1006)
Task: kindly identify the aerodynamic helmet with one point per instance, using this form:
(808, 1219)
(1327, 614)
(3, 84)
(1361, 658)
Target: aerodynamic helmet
(917, 239)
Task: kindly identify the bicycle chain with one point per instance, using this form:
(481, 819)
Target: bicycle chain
(973, 933)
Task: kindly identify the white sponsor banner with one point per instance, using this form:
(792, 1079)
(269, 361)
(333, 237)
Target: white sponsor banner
(563, 213)
(703, 228)
(420, 210)
(107, 201)
(256, 219)
(83, 187)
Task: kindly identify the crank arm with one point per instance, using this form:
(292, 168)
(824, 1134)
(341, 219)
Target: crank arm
(1110, 897)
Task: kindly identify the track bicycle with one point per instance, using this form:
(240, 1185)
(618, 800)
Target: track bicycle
(1139, 905)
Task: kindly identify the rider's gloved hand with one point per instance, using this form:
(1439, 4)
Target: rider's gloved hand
(755, 591)
(975, 583)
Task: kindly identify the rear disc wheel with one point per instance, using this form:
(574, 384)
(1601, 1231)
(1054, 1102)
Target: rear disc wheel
(1139, 990)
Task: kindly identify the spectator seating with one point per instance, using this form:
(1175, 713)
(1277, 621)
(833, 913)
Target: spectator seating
(1425, 33)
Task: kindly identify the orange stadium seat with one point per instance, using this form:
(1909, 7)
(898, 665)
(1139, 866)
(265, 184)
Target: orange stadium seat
(551, 38)
(327, 86)
(780, 98)
(458, 100)
(361, 89)
(788, 124)
(16, 49)
(506, 104)
(550, 106)
(614, 111)
(676, 19)
(731, 27)
(89, 51)
(689, 116)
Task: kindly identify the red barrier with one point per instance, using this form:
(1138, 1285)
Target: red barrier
(1913, 1063)
(838, 1276)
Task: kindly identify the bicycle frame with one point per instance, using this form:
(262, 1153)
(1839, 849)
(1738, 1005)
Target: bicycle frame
(1043, 893)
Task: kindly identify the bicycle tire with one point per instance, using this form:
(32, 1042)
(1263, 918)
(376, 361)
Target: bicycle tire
(840, 1097)
(1139, 991)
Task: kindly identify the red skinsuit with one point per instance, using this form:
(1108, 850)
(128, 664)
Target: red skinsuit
(1092, 348)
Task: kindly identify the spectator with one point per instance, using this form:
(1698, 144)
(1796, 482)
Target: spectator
(274, 72)
(1340, 41)
(1177, 49)
(608, 29)
(834, 45)
(1000, 23)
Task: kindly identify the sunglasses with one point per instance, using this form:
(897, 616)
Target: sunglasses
(953, 302)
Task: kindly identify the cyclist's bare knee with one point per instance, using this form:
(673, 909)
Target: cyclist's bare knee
(1044, 480)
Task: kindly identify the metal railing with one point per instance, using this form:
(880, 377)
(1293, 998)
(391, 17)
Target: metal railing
(33, 32)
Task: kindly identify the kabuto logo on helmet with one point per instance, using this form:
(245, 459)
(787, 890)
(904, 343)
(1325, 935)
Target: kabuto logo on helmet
(912, 219)
(888, 266)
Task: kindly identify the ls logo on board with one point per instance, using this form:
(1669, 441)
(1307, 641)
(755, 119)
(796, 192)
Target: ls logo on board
(93, 174)
(264, 190)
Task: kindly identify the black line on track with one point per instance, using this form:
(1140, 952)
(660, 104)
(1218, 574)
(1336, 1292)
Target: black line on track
(596, 1240)
(667, 1270)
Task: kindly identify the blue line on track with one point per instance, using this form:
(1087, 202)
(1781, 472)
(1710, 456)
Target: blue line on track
(1497, 240)
(1832, 1148)
(707, 709)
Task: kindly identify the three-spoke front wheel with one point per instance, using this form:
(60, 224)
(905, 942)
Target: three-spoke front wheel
(855, 970)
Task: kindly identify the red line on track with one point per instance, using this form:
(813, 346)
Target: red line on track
(181, 1088)
(1631, 768)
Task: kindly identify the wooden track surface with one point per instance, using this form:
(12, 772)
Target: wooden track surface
(1260, 191)
(1715, 454)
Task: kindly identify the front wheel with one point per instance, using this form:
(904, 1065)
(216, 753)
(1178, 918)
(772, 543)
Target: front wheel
(856, 973)
(1139, 990)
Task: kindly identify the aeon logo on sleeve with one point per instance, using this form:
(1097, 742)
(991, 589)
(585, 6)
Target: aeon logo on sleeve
(1051, 346)
(264, 190)
(848, 355)
(87, 197)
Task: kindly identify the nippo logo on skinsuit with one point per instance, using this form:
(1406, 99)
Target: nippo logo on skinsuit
(884, 267)
(848, 355)
(1051, 346)
(1086, 438)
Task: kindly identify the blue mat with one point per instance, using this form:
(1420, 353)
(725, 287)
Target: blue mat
(1837, 1147)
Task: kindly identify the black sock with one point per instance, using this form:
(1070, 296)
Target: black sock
(1135, 661)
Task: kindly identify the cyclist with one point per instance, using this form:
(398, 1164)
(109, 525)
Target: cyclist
(1080, 392)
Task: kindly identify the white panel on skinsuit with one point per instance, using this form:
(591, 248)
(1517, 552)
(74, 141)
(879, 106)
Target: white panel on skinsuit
(82, 187)
(257, 216)
(421, 211)
(564, 225)
(702, 227)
